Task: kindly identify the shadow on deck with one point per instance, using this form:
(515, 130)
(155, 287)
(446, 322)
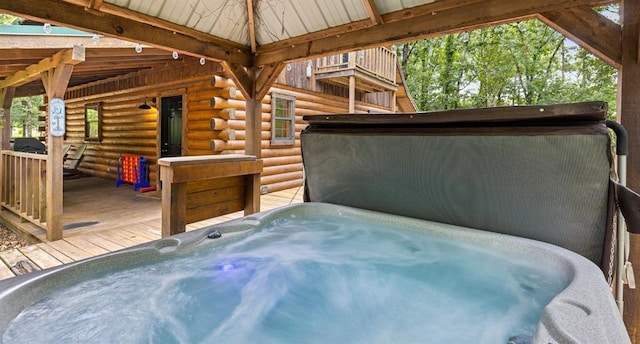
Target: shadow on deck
(99, 218)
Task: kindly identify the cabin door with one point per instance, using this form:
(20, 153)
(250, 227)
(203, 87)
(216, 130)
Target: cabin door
(171, 126)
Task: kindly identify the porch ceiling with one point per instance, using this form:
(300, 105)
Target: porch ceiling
(105, 58)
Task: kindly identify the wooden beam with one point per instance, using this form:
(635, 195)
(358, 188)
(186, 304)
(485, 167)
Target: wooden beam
(123, 12)
(267, 77)
(252, 25)
(372, 9)
(406, 25)
(56, 80)
(240, 77)
(591, 30)
(427, 9)
(68, 57)
(95, 4)
(74, 16)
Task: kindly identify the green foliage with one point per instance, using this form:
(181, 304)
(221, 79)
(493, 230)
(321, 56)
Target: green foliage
(522, 63)
(24, 116)
(6, 19)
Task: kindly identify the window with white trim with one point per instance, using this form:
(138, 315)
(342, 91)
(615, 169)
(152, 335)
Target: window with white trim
(282, 119)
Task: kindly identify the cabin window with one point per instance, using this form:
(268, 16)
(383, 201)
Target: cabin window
(92, 119)
(282, 120)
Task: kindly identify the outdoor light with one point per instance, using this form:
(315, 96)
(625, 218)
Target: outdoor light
(144, 106)
(203, 61)
(95, 38)
(175, 55)
(308, 70)
(138, 48)
(46, 28)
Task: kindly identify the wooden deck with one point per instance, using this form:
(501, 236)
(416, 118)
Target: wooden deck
(100, 218)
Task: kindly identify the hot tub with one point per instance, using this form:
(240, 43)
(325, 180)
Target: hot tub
(319, 273)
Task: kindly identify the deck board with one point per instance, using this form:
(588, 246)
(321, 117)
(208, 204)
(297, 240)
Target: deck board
(119, 218)
(139, 231)
(86, 245)
(42, 258)
(70, 250)
(13, 257)
(55, 253)
(5, 272)
(109, 245)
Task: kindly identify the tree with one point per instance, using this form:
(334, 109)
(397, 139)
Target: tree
(521, 63)
(24, 115)
(24, 111)
(6, 19)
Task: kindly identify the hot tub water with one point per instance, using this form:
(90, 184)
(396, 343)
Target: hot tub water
(313, 279)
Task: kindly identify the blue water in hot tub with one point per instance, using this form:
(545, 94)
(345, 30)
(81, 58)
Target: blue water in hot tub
(305, 280)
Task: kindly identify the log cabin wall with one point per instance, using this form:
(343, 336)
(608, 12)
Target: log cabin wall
(126, 129)
(213, 118)
(283, 163)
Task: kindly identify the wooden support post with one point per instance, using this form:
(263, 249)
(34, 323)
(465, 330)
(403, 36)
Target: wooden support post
(254, 84)
(629, 114)
(174, 200)
(54, 180)
(253, 147)
(352, 94)
(55, 79)
(253, 128)
(6, 98)
(394, 101)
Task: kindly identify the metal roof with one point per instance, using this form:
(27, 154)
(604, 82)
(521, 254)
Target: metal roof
(264, 32)
(274, 20)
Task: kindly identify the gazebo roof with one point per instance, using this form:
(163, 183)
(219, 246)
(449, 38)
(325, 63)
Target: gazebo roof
(263, 32)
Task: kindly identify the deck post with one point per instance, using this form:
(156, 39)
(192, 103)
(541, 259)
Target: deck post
(253, 147)
(629, 115)
(54, 180)
(6, 98)
(352, 94)
(55, 79)
(254, 83)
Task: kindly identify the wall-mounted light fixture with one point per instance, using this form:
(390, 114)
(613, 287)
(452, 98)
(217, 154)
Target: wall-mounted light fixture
(144, 106)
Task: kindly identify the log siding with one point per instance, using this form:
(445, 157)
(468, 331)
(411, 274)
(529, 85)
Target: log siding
(213, 118)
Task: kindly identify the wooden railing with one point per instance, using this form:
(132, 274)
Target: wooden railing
(378, 62)
(24, 186)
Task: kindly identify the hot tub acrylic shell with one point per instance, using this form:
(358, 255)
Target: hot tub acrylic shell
(584, 312)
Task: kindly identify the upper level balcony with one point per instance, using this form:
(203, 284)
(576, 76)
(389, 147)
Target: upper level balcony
(374, 70)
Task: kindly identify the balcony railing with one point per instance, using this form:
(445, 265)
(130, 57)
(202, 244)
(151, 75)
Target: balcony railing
(24, 186)
(376, 62)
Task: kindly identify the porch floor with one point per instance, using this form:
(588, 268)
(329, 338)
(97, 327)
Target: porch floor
(99, 218)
